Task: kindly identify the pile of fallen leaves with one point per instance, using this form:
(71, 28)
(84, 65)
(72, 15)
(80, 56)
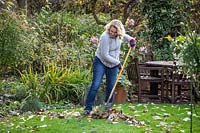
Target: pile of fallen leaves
(113, 116)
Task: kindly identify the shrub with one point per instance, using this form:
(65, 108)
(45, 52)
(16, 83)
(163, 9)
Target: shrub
(187, 53)
(62, 37)
(32, 104)
(9, 42)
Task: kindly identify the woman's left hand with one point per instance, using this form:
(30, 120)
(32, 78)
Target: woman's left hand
(132, 43)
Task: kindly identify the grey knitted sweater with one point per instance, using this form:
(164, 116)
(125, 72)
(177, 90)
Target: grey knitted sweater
(108, 50)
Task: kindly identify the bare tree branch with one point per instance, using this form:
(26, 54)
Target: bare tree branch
(98, 21)
(129, 5)
(126, 12)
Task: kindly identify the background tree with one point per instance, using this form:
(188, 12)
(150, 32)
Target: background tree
(162, 20)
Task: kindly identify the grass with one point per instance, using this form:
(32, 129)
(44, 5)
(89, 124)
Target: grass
(159, 118)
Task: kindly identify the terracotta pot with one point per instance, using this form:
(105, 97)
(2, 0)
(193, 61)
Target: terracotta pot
(120, 95)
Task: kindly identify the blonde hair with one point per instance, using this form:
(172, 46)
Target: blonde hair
(117, 24)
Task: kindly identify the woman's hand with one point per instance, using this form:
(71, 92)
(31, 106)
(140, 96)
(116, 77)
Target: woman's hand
(120, 66)
(132, 43)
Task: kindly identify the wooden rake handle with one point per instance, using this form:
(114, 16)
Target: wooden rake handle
(120, 73)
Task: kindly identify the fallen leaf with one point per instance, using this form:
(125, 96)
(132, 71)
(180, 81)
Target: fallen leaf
(132, 108)
(115, 122)
(189, 113)
(12, 124)
(136, 115)
(136, 112)
(163, 110)
(76, 114)
(157, 118)
(30, 117)
(22, 118)
(145, 110)
(163, 123)
(186, 119)
(42, 117)
(182, 131)
(166, 115)
(61, 116)
(89, 119)
(148, 129)
(43, 126)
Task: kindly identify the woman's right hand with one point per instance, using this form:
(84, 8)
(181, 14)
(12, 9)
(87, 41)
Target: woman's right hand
(120, 66)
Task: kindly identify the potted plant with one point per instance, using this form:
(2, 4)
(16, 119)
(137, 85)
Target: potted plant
(121, 90)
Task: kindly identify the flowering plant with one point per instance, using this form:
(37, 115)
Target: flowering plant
(94, 40)
(130, 22)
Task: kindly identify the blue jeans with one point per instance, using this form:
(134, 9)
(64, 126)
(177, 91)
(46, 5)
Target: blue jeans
(99, 69)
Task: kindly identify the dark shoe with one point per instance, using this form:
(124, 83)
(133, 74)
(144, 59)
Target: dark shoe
(86, 113)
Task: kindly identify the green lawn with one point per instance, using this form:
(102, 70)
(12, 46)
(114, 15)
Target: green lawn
(155, 117)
